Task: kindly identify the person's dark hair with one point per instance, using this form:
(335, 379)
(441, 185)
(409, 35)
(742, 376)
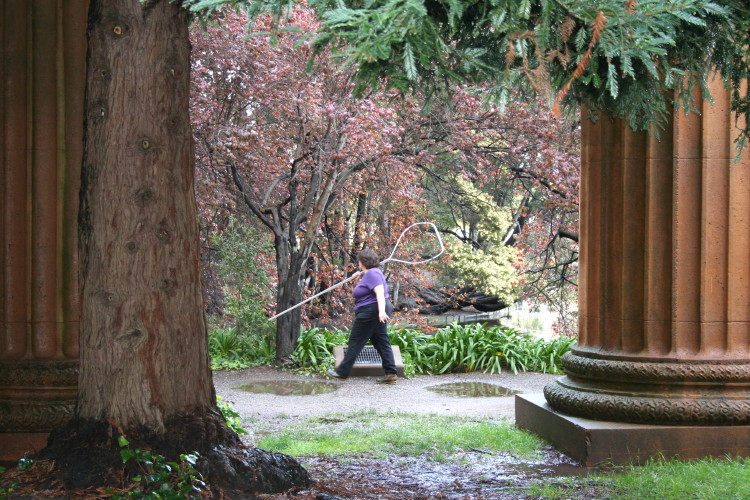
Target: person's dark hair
(368, 258)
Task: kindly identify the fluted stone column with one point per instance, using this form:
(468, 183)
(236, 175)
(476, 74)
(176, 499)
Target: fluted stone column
(665, 267)
(43, 45)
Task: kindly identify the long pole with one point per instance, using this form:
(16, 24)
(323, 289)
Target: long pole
(333, 287)
(390, 258)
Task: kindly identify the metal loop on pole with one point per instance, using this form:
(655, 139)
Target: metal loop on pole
(410, 262)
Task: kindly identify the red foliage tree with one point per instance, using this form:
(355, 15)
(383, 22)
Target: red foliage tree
(527, 158)
(327, 174)
(300, 151)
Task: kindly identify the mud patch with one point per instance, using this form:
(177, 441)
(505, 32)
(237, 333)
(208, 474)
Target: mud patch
(470, 474)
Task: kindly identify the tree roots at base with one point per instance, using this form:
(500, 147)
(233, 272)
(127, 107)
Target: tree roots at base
(85, 455)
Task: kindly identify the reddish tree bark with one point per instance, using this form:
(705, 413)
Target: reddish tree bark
(145, 368)
(143, 337)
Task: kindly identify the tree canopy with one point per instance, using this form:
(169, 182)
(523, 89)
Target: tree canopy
(633, 59)
(264, 129)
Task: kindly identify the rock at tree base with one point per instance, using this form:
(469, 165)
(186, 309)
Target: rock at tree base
(270, 472)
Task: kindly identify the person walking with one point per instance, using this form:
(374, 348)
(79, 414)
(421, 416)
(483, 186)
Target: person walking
(372, 310)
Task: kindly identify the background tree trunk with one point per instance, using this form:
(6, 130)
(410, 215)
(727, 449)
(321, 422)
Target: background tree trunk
(288, 326)
(288, 293)
(143, 336)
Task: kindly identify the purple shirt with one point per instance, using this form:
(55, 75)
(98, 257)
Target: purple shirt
(363, 293)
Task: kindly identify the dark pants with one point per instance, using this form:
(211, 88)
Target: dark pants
(367, 326)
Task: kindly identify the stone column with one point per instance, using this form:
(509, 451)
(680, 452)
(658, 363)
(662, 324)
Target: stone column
(42, 68)
(665, 263)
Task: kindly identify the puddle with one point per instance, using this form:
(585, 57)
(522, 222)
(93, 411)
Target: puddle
(472, 390)
(289, 387)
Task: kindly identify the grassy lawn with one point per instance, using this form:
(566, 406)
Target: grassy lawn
(438, 438)
(380, 435)
(707, 479)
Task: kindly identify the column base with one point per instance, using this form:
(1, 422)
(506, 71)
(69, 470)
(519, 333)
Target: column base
(642, 391)
(593, 442)
(35, 397)
(13, 445)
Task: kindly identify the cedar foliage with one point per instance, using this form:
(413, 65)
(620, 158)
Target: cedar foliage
(634, 59)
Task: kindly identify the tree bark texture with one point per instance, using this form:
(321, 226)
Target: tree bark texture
(144, 352)
(288, 294)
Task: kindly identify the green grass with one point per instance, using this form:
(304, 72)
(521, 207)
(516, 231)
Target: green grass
(707, 479)
(671, 479)
(380, 435)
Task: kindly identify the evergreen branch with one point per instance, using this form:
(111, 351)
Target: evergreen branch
(598, 27)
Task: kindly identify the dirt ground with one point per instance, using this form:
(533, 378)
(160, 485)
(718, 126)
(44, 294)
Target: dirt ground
(473, 474)
(478, 475)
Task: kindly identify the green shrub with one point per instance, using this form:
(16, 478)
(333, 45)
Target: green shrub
(244, 336)
(232, 350)
(453, 349)
(315, 347)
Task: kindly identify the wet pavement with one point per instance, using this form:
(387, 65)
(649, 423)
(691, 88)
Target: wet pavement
(289, 387)
(473, 390)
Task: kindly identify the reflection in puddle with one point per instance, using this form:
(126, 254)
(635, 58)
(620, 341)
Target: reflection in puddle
(289, 387)
(472, 390)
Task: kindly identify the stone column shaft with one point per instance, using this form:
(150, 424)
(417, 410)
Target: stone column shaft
(665, 271)
(42, 75)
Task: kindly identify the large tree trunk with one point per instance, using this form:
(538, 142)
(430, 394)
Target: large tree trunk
(145, 368)
(143, 336)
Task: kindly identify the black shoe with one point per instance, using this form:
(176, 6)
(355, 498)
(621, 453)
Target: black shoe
(333, 374)
(390, 378)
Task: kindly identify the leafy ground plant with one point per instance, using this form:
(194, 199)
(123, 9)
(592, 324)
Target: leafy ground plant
(231, 415)
(159, 478)
(478, 347)
(231, 349)
(315, 348)
(6, 491)
(453, 349)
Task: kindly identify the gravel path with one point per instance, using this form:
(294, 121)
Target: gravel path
(362, 393)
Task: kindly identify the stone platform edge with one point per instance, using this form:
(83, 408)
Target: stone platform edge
(593, 442)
